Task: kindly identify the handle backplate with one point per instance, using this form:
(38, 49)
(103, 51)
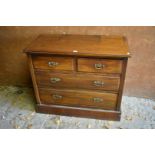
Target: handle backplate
(52, 64)
(55, 80)
(97, 99)
(57, 97)
(99, 66)
(98, 83)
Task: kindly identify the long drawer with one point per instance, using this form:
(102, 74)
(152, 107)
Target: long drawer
(82, 81)
(89, 99)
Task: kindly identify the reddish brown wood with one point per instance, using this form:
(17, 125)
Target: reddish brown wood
(73, 86)
(82, 81)
(34, 79)
(78, 98)
(79, 112)
(121, 84)
(80, 45)
(108, 65)
(61, 63)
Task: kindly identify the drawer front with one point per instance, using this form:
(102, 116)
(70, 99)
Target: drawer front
(53, 63)
(78, 98)
(99, 65)
(84, 81)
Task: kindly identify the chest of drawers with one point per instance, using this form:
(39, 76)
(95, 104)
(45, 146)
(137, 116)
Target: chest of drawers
(79, 75)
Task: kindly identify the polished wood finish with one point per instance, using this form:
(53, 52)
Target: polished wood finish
(77, 81)
(79, 112)
(78, 98)
(53, 63)
(120, 92)
(35, 86)
(81, 45)
(78, 75)
(104, 65)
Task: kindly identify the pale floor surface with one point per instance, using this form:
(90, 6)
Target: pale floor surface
(17, 111)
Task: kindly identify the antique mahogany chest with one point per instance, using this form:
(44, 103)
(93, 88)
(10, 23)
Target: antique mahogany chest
(79, 75)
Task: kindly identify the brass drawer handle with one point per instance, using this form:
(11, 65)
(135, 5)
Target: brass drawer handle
(55, 80)
(55, 96)
(99, 66)
(97, 99)
(53, 64)
(98, 83)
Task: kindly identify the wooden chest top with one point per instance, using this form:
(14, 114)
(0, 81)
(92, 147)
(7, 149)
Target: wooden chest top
(80, 45)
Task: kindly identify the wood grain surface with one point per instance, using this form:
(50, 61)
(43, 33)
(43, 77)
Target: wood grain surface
(79, 112)
(78, 98)
(81, 81)
(82, 45)
(61, 63)
(73, 74)
(108, 65)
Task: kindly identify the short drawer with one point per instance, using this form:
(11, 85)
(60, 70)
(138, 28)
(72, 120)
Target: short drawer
(99, 65)
(84, 81)
(53, 63)
(78, 98)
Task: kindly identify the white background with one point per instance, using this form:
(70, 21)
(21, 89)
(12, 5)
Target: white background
(77, 142)
(77, 13)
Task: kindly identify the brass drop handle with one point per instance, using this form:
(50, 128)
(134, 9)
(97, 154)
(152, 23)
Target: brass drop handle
(97, 99)
(53, 64)
(99, 66)
(56, 97)
(55, 80)
(98, 83)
